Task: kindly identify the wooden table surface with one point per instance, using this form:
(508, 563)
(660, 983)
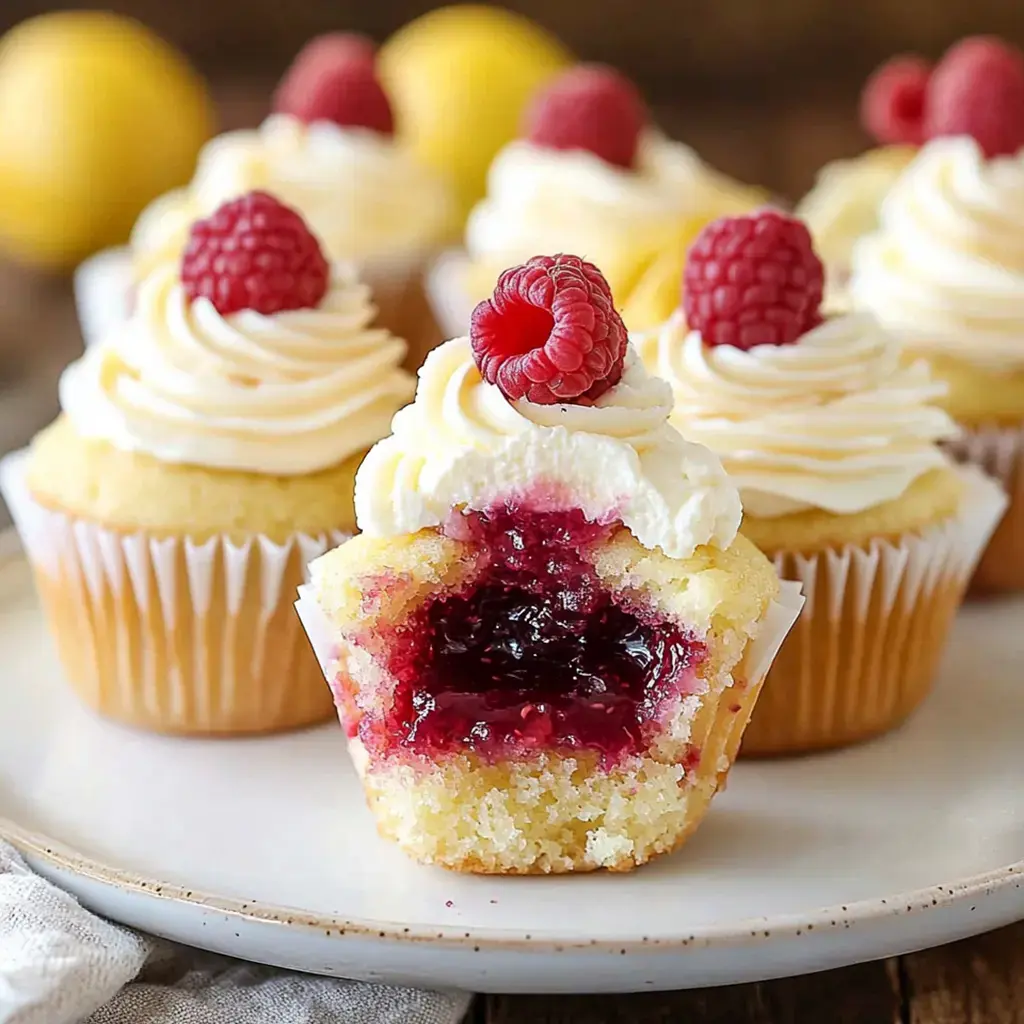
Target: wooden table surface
(978, 981)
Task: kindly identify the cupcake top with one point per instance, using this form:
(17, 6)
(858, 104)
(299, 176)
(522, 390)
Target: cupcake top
(592, 175)
(845, 204)
(976, 90)
(946, 268)
(804, 413)
(547, 404)
(269, 366)
(329, 150)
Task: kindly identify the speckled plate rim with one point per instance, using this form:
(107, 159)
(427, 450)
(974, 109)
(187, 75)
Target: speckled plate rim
(738, 933)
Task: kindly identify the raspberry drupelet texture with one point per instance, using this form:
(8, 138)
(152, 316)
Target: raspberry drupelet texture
(589, 107)
(753, 280)
(254, 253)
(893, 101)
(335, 79)
(550, 332)
(978, 90)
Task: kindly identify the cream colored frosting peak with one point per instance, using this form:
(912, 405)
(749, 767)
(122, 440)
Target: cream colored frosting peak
(546, 200)
(361, 192)
(946, 268)
(833, 422)
(284, 394)
(463, 444)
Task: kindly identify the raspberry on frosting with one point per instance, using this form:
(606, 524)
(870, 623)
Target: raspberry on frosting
(753, 280)
(978, 90)
(589, 107)
(892, 103)
(550, 333)
(334, 78)
(254, 253)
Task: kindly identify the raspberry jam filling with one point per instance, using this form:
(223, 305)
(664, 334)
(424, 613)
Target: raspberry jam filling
(535, 653)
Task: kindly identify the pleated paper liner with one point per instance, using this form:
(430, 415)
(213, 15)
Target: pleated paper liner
(447, 293)
(1000, 452)
(398, 292)
(172, 636)
(717, 726)
(865, 651)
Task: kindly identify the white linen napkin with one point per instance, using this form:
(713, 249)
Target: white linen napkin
(60, 964)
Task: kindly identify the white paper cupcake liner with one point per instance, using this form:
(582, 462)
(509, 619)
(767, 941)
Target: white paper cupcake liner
(999, 451)
(103, 288)
(446, 290)
(170, 634)
(865, 651)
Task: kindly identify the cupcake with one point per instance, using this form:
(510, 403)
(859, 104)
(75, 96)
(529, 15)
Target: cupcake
(834, 445)
(548, 638)
(330, 151)
(905, 103)
(205, 452)
(591, 174)
(945, 272)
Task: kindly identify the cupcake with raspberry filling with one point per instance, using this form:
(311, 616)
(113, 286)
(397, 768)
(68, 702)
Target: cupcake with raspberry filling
(206, 451)
(547, 640)
(945, 272)
(329, 150)
(834, 445)
(905, 104)
(590, 174)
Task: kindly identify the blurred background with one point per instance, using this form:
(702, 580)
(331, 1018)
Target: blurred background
(766, 90)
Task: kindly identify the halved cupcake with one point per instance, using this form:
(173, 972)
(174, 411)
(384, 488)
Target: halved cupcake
(834, 446)
(547, 640)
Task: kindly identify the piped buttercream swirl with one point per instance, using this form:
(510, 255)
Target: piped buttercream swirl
(361, 192)
(833, 422)
(463, 444)
(946, 267)
(282, 394)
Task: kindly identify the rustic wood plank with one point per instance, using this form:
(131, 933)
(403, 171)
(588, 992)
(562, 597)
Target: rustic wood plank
(977, 981)
(865, 994)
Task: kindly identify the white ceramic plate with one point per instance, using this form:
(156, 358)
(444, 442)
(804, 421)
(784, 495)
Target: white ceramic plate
(263, 848)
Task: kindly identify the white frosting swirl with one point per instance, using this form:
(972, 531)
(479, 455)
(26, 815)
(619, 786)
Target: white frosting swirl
(285, 394)
(833, 422)
(542, 200)
(361, 192)
(463, 444)
(946, 268)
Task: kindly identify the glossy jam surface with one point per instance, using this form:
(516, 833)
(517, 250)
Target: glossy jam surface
(535, 653)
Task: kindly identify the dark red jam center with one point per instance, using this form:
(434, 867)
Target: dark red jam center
(535, 653)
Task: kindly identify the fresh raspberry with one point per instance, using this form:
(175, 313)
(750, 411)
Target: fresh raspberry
(753, 280)
(254, 253)
(978, 90)
(589, 107)
(550, 333)
(892, 103)
(334, 78)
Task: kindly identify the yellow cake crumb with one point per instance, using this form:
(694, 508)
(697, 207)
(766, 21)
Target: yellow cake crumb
(130, 491)
(930, 499)
(552, 812)
(977, 395)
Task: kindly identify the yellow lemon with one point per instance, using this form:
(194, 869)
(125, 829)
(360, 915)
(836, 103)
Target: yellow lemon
(459, 78)
(97, 117)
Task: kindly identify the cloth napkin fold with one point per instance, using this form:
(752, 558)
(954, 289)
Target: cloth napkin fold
(60, 964)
